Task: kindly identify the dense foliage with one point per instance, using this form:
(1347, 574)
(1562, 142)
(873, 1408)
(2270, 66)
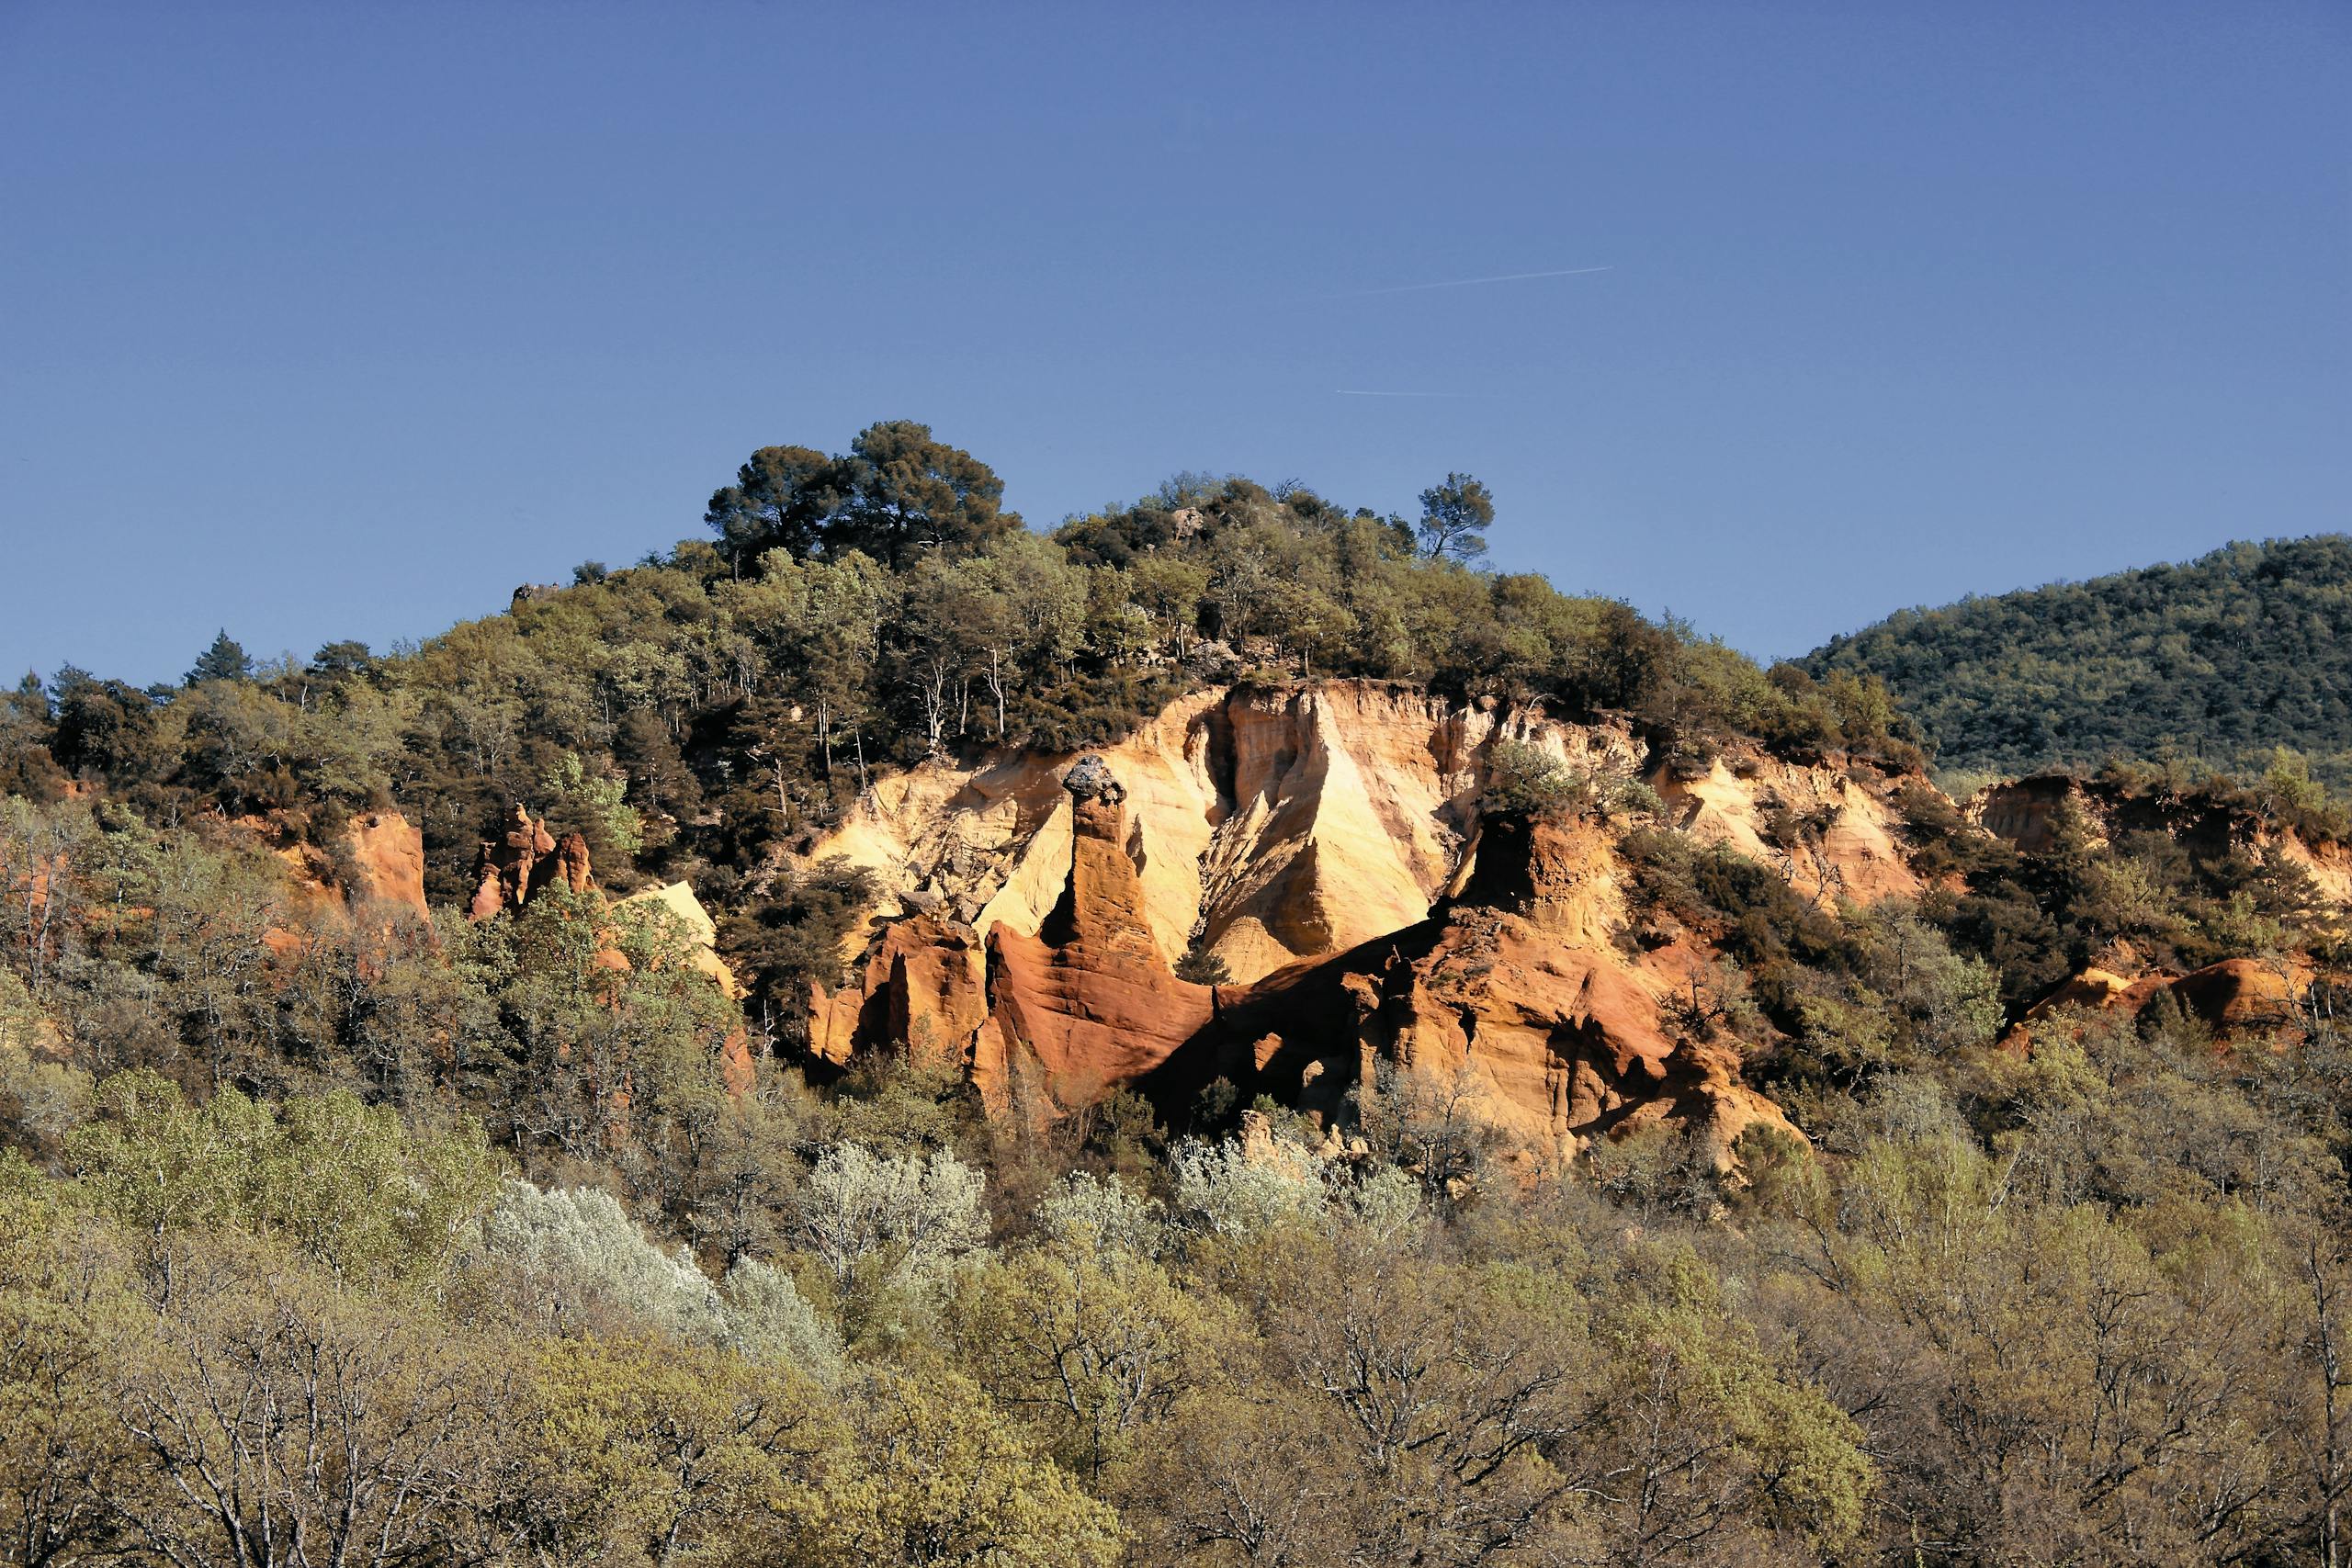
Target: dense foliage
(2087, 1307)
(476, 1211)
(377, 1240)
(2222, 659)
(694, 712)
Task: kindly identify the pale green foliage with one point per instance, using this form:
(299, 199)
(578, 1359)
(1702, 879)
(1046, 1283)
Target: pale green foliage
(571, 1256)
(48, 1100)
(2287, 786)
(1233, 1191)
(1102, 1213)
(1386, 1205)
(351, 741)
(1632, 797)
(811, 628)
(1091, 1347)
(1913, 1000)
(343, 1181)
(903, 1218)
(946, 1481)
(769, 1320)
(598, 800)
(1702, 1416)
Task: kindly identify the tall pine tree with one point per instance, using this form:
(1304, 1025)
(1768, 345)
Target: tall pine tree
(224, 660)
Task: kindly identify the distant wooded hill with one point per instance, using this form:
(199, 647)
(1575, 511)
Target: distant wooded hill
(2223, 657)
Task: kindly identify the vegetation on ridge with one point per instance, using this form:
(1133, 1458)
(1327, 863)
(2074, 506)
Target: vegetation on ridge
(2220, 660)
(388, 1242)
(866, 609)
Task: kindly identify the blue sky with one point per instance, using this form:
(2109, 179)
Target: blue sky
(322, 320)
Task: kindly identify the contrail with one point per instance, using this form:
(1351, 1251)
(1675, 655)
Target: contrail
(1471, 282)
(1349, 392)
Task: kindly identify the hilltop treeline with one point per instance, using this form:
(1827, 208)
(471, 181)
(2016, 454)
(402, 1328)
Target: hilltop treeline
(370, 1240)
(2222, 661)
(868, 608)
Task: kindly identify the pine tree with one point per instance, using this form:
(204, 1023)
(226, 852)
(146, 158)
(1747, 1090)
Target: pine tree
(224, 660)
(1456, 516)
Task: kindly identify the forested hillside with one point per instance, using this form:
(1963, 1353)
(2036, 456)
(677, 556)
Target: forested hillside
(1653, 1123)
(692, 715)
(2220, 659)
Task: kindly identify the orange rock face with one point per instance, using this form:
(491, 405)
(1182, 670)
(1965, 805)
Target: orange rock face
(387, 854)
(379, 869)
(1509, 994)
(1046, 1022)
(527, 858)
(1267, 825)
(1502, 999)
(925, 987)
(1087, 1003)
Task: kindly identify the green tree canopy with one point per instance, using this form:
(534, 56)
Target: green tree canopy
(1456, 516)
(898, 491)
(2222, 658)
(224, 660)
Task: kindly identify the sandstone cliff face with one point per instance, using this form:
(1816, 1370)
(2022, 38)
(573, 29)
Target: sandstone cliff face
(527, 858)
(387, 858)
(377, 865)
(1855, 853)
(1089, 1004)
(1273, 826)
(1046, 1021)
(2236, 997)
(1326, 843)
(1513, 998)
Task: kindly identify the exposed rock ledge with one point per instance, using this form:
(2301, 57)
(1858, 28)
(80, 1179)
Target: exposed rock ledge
(1277, 824)
(1325, 842)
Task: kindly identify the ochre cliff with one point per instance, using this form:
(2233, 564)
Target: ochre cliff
(1512, 998)
(1045, 1020)
(1270, 825)
(373, 866)
(1855, 852)
(527, 858)
(1273, 825)
(1325, 844)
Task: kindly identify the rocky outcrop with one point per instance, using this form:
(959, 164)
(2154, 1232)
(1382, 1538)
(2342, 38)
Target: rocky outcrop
(925, 987)
(386, 859)
(1509, 1000)
(2034, 813)
(2031, 813)
(1830, 832)
(1508, 993)
(1273, 826)
(1325, 844)
(2236, 998)
(527, 858)
(372, 867)
(1089, 1004)
(1042, 1022)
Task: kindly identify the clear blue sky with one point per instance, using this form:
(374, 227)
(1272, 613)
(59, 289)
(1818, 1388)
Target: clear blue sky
(333, 321)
